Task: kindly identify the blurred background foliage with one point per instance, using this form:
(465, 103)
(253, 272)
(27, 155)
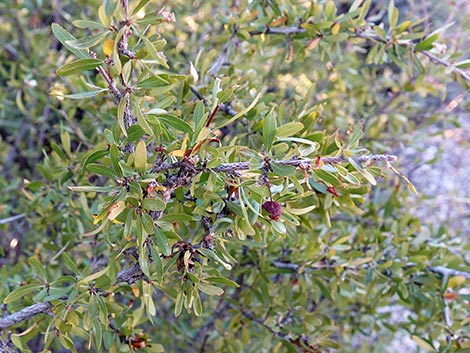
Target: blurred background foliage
(330, 85)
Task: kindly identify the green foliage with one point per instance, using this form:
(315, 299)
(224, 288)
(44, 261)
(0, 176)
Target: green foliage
(202, 178)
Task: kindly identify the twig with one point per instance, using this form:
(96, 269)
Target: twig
(445, 271)
(278, 30)
(12, 218)
(446, 64)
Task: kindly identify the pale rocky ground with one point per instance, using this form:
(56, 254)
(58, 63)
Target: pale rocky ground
(444, 185)
(437, 161)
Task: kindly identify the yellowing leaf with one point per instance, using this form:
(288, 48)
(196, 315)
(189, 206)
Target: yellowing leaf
(456, 281)
(108, 47)
(176, 153)
(135, 291)
(116, 209)
(140, 156)
(335, 28)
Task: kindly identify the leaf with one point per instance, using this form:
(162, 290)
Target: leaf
(363, 172)
(120, 114)
(269, 131)
(83, 95)
(175, 122)
(134, 133)
(108, 47)
(116, 209)
(423, 344)
(38, 268)
(63, 36)
(427, 43)
(162, 242)
(240, 114)
(140, 156)
(392, 15)
(93, 276)
(209, 289)
(114, 156)
(87, 42)
(289, 129)
(327, 177)
(282, 170)
(154, 204)
(223, 280)
(70, 263)
(140, 5)
(21, 292)
(92, 188)
(102, 170)
(78, 66)
(152, 82)
(154, 53)
(85, 24)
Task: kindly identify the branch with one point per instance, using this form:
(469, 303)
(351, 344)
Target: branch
(446, 64)
(278, 30)
(445, 271)
(24, 314)
(360, 33)
(372, 37)
(128, 275)
(232, 167)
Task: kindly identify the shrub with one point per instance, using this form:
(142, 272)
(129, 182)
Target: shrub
(207, 182)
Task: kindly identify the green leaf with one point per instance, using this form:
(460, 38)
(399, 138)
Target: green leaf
(114, 155)
(120, 114)
(282, 170)
(152, 82)
(223, 280)
(85, 24)
(154, 53)
(87, 42)
(83, 95)
(392, 14)
(209, 289)
(289, 129)
(102, 170)
(70, 263)
(240, 114)
(78, 66)
(162, 242)
(327, 177)
(269, 131)
(38, 268)
(363, 172)
(290, 347)
(140, 156)
(93, 276)
(92, 188)
(175, 122)
(134, 133)
(140, 5)
(63, 37)
(154, 204)
(21, 292)
(427, 43)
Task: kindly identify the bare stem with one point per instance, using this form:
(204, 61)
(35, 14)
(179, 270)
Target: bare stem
(24, 314)
(237, 166)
